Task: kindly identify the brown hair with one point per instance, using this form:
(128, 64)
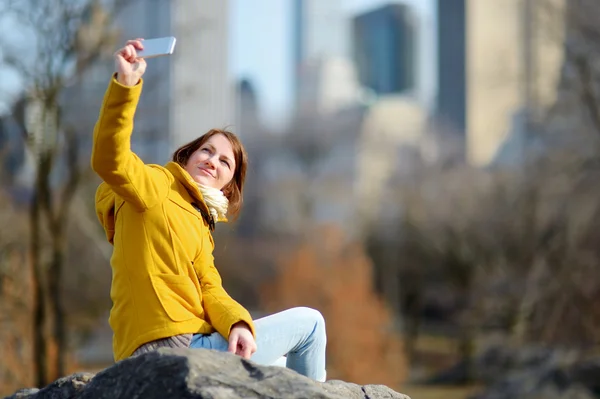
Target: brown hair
(234, 189)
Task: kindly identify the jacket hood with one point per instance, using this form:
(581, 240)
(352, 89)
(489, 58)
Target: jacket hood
(106, 199)
(180, 174)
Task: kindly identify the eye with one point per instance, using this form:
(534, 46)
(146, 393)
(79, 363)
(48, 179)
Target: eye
(225, 162)
(205, 149)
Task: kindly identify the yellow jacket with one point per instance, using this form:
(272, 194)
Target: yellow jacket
(164, 281)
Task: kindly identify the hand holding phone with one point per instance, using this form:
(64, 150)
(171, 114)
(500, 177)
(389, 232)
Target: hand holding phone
(130, 60)
(129, 67)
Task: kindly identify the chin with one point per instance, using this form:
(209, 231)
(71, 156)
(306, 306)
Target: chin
(203, 180)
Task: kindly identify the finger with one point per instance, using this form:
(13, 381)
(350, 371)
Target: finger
(125, 52)
(122, 51)
(132, 52)
(246, 352)
(137, 44)
(242, 349)
(233, 343)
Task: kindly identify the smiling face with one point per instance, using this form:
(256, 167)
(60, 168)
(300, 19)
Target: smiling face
(213, 163)
(217, 159)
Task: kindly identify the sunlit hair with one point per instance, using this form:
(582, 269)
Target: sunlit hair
(234, 189)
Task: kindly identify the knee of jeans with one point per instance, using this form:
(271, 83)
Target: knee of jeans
(315, 317)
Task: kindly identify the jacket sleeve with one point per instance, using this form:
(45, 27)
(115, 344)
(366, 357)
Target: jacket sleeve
(222, 310)
(112, 159)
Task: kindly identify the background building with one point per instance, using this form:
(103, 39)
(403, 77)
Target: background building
(451, 103)
(248, 123)
(185, 94)
(385, 49)
(495, 60)
(320, 31)
(202, 93)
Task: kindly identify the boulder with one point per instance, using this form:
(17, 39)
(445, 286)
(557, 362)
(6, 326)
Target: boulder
(199, 373)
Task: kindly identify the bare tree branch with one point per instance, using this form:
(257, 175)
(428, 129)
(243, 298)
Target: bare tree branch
(70, 187)
(588, 96)
(67, 36)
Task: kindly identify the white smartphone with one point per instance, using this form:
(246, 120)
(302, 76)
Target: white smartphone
(157, 47)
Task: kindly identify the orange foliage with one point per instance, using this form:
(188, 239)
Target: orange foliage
(16, 317)
(334, 276)
(15, 321)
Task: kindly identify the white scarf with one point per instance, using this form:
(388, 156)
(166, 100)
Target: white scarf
(216, 202)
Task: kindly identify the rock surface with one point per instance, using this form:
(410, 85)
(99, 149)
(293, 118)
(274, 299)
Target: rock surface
(197, 373)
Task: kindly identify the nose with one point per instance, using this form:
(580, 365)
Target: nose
(210, 162)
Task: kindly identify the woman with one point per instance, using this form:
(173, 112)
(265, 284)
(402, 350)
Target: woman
(165, 288)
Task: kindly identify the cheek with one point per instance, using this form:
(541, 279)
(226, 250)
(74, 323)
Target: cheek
(193, 161)
(227, 175)
(190, 163)
(196, 158)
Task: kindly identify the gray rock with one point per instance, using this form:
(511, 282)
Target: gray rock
(197, 373)
(348, 390)
(66, 387)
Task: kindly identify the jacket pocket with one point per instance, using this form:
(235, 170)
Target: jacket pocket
(178, 296)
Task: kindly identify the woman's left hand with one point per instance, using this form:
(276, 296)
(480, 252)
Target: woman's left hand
(241, 341)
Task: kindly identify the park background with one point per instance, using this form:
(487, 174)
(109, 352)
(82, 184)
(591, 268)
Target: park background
(422, 172)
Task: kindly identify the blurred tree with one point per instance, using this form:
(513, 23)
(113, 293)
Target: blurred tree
(332, 275)
(309, 147)
(15, 305)
(311, 138)
(512, 246)
(63, 38)
(494, 251)
(433, 247)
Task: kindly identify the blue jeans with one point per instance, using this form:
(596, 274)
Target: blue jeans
(297, 333)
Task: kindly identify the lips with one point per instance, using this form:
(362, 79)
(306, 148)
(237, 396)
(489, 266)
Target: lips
(206, 172)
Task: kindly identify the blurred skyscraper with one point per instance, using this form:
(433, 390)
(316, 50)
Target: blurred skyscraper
(247, 113)
(452, 85)
(320, 36)
(385, 49)
(203, 92)
(185, 94)
(321, 29)
(496, 60)
(385, 52)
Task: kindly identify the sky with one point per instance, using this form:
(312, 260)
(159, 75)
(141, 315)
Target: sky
(260, 49)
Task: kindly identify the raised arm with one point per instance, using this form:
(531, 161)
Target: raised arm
(112, 159)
